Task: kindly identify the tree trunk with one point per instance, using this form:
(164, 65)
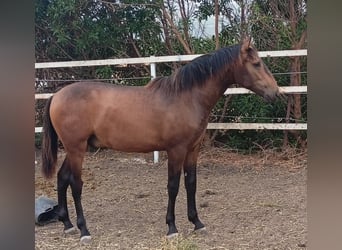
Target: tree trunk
(176, 31)
(243, 24)
(185, 21)
(295, 108)
(217, 38)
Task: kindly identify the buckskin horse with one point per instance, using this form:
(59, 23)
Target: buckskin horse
(169, 114)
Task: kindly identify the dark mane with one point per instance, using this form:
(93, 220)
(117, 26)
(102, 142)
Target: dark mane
(196, 72)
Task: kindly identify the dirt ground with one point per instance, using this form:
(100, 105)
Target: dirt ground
(246, 202)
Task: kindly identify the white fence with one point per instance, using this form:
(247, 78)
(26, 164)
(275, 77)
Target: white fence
(155, 59)
(152, 60)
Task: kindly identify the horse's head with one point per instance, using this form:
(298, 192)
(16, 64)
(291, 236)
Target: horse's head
(253, 74)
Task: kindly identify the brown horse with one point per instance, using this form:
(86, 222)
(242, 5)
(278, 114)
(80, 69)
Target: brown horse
(169, 113)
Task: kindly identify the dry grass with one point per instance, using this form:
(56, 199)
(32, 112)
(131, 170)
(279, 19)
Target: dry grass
(178, 243)
(291, 158)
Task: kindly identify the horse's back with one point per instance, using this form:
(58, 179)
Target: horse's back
(91, 96)
(84, 91)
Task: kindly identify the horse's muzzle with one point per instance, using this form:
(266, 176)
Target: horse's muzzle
(272, 97)
(281, 94)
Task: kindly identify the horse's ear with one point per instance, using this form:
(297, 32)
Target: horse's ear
(245, 47)
(246, 43)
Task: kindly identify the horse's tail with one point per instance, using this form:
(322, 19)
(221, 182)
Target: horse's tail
(50, 143)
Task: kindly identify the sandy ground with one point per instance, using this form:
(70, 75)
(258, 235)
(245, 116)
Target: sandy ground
(246, 202)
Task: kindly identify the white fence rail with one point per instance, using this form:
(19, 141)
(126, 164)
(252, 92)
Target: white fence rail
(152, 60)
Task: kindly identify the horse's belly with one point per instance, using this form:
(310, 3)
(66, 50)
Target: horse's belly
(129, 144)
(129, 139)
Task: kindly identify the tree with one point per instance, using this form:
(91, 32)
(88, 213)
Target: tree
(85, 30)
(284, 26)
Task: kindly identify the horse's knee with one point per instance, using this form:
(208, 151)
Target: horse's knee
(172, 189)
(173, 185)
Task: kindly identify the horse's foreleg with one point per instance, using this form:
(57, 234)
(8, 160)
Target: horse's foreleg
(190, 179)
(190, 185)
(63, 181)
(172, 188)
(175, 162)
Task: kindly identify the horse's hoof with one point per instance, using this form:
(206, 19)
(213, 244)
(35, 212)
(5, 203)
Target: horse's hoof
(201, 230)
(171, 236)
(71, 230)
(86, 239)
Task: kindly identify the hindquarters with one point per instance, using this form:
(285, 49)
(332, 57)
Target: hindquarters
(63, 120)
(72, 111)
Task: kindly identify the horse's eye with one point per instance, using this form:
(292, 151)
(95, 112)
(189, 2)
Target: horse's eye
(257, 64)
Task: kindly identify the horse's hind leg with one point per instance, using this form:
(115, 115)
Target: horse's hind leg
(63, 181)
(190, 179)
(76, 184)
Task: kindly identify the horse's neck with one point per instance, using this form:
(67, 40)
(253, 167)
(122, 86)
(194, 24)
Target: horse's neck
(213, 89)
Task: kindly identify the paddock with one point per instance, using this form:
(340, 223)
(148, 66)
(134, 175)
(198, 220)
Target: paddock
(246, 201)
(255, 201)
